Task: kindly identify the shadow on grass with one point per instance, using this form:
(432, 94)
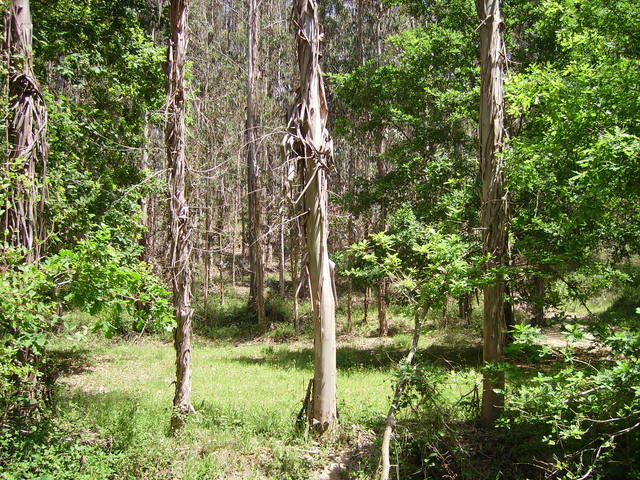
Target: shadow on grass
(622, 312)
(235, 322)
(116, 414)
(68, 361)
(382, 357)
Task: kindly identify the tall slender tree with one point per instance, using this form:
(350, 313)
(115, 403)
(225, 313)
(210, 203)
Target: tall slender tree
(254, 231)
(22, 219)
(180, 222)
(309, 145)
(493, 214)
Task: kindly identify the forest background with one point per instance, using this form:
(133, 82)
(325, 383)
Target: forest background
(403, 89)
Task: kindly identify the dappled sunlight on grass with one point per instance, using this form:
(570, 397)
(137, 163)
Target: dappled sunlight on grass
(246, 394)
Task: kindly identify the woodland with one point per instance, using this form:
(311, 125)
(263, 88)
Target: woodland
(320, 239)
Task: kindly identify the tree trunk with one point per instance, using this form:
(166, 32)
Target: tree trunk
(208, 257)
(145, 254)
(22, 215)
(220, 228)
(390, 421)
(365, 305)
(465, 308)
(309, 145)
(538, 300)
(383, 327)
(233, 242)
(180, 222)
(281, 257)
(254, 231)
(350, 306)
(351, 224)
(494, 205)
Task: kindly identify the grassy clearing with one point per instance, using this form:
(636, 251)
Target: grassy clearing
(246, 397)
(113, 397)
(247, 393)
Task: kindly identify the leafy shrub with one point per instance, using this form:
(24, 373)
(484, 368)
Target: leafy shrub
(428, 437)
(278, 310)
(26, 313)
(112, 284)
(49, 449)
(96, 277)
(585, 414)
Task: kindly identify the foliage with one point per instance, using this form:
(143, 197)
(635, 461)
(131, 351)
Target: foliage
(436, 403)
(112, 284)
(585, 412)
(423, 101)
(54, 449)
(426, 265)
(576, 148)
(102, 78)
(26, 313)
(94, 276)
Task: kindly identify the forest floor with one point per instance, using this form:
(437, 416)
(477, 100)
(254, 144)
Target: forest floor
(113, 399)
(247, 394)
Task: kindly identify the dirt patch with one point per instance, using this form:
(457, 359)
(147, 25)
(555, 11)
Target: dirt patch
(350, 457)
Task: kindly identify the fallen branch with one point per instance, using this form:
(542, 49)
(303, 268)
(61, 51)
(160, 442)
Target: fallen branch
(305, 410)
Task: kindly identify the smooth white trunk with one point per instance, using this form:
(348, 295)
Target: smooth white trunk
(309, 146)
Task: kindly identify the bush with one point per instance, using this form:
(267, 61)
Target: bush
(94, 277)
(585, 413)
(26, 313)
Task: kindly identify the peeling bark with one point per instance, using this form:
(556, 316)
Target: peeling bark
(309, 145)
(493, 212)
(26, 160)
(181, 227)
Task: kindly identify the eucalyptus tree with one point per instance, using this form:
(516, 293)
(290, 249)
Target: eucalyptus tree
(181, 228)
(309, 147)
(25, 164)
(493, 211)
(424, 100)
(254, 193)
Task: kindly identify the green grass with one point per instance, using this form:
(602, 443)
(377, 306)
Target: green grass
(112, 403)
(113, 397)
(246, 399)
(246, 395)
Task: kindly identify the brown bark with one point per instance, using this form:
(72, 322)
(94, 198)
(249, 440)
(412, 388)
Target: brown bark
(350, 306)
(281, 257)
(180, 223)
(145, 254)
(254, 230)
(365, 305)
(208, 257)
(233, 242)
(294, 260)
(22, 217)
(465, 308)
(309, 145)
(538, 300)
(383, 327)
(220, 228)
(494, 205)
